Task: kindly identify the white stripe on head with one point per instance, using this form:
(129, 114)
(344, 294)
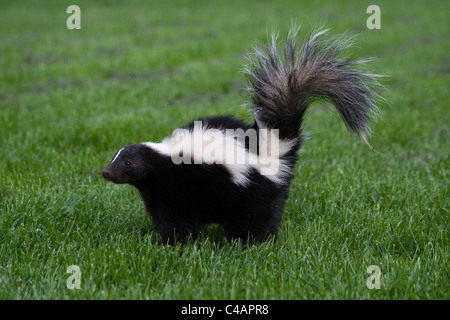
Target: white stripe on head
(117, 154)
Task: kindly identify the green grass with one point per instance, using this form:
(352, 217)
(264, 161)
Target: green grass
(136, 71)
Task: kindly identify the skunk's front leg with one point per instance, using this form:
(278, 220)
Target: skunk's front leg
(172, 230)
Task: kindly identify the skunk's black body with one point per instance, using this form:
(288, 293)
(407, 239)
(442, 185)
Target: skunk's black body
(183, 197)
(187, 197)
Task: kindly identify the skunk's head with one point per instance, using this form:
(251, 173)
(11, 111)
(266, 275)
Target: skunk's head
(131, 164)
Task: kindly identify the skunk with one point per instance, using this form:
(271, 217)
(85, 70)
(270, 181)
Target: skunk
(224, 171)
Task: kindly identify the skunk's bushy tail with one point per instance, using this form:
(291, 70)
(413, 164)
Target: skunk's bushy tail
(282, 88)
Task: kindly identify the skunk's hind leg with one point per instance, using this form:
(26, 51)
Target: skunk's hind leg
(250, 233)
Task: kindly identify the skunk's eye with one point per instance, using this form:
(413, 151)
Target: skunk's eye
(127, 163)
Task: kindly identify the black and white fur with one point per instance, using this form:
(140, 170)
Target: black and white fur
(182, 198)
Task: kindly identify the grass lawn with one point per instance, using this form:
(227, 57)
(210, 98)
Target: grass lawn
(139, 69)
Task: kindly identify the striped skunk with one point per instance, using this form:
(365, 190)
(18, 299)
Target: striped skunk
(224, 171)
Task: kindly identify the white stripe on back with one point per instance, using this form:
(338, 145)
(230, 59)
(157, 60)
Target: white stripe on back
(206, 145)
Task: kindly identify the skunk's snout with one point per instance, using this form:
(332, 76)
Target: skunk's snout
(114, 175)
(106, 174)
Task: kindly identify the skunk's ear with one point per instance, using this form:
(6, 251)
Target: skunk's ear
(148, 156)
(146, 152)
